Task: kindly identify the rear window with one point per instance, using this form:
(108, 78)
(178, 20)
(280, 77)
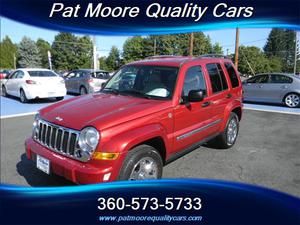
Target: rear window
(232, 75)
(42, 73)
(217, 77)
(100, 75)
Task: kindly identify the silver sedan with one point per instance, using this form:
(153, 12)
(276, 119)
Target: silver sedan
(273, 88)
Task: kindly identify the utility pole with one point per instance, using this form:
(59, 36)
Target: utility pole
(94, 53)
(15, 61)
(191, 44)
(49, 59)
(296, 51)
(227, 50)
(236, 52)
(154, 52)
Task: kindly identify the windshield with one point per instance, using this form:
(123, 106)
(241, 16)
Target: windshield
(42, 73)
(144, 81)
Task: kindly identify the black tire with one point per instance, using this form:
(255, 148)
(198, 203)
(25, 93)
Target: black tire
(82, 91)
(292, 100)
(59, 98)
(23, 97)
(136, 155)
(221, 141)
(4, 93)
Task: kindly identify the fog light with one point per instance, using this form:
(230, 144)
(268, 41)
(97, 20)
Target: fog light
(105, 156)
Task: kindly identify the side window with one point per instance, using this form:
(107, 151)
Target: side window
(20, 75)
(262, 79)
(71, 75)
(232, 75)
(280, 79)
(217, 77)
(193, 80)
(13, 75)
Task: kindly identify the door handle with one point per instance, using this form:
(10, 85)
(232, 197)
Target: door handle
(205, 104)
(229, 95)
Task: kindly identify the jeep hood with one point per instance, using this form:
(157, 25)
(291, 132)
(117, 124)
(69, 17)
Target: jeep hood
(100, 110)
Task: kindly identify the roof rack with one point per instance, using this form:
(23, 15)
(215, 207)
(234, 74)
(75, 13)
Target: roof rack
(164, 56)
(213, 56)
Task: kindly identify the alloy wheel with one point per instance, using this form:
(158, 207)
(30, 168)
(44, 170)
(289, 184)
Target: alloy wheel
(292, 100)
(232, 131)
(145, 168)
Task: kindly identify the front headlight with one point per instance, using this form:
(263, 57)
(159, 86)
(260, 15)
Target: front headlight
(88, 140)
(35, 126)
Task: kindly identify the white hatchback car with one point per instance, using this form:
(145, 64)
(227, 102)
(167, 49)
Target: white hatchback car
(33, 84)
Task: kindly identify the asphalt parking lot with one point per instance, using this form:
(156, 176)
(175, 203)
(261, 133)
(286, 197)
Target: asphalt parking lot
(266, 154)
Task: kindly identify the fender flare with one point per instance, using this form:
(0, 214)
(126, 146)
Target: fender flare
(229, 108)
(125, 141)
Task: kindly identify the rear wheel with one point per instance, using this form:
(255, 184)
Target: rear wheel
(4, 93)
(141, 163)
(228, 137)
(292, 100)
(23, 97)
(59, 98)
(83, 91)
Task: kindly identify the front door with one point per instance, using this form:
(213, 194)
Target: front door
(190, 118)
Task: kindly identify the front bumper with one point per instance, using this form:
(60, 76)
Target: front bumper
(94, 171)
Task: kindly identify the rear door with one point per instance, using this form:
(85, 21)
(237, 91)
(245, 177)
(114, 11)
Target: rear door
(279, 86)
(220, 94)
(69, 81)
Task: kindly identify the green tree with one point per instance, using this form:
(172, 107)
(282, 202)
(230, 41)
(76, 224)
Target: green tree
(71, 52)
(217, 49)
(102, 63)
(133, 49)
(202, 44)
(281, 44)
(113, 59)
(252, 60)
(43, 47)
(29, 55)
(7, 53)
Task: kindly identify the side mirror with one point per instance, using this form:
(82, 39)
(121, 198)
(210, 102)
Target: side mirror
(196, 95)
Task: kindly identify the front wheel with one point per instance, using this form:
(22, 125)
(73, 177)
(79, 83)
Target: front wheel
(228, 137)
(292, 100)
(141, 163)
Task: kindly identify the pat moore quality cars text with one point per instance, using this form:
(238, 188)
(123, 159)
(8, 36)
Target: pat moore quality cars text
(148, 114)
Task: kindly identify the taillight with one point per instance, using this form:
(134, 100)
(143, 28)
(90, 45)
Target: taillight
(30, 82)
(90, 80)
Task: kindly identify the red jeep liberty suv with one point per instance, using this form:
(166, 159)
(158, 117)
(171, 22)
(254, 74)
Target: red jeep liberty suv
(148, 114)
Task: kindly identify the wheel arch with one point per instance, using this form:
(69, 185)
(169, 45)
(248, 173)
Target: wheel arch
(291, 92)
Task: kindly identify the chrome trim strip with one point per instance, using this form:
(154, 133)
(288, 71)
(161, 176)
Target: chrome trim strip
(197, 130)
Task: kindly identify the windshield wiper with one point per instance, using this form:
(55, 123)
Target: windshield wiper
(136, 93)
(112, 90)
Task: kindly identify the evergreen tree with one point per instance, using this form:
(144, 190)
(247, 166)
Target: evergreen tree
(7, 53)
(29, 55)
(71, 52)
(113, 59)
(43, 47)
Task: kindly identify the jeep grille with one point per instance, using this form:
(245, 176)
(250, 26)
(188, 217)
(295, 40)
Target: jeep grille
(57, 138)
